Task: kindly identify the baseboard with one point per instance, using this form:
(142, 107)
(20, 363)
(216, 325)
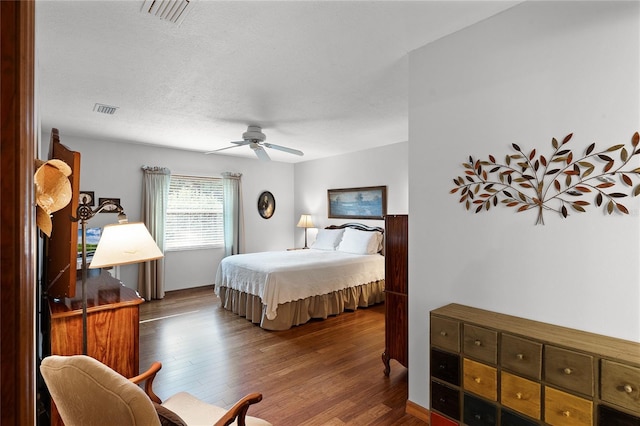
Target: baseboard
(417, 411)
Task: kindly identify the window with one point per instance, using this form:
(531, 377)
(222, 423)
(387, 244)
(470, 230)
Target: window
(194, 213)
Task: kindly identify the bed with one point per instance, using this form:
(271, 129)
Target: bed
(342, 270)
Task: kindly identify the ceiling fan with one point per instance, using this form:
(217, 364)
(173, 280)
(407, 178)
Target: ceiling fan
(256, 141)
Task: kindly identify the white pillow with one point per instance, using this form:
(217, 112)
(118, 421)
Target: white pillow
(380, 242)
(359, 242)
(327, 239)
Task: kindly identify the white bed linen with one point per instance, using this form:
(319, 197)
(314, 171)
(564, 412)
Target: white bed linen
(285, 276)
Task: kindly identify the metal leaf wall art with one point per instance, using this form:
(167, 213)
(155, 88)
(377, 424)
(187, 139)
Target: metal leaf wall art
(558, 183)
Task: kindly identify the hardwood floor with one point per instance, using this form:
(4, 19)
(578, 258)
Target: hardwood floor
(321, 373)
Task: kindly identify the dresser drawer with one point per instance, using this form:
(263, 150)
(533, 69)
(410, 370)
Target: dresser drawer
(607, 416)
(520, 394)
(445, 333)
(518, 372)
(568, 369)
(521, 356)
(480, 379)
(445, 366)
(511, 419)
(564, 409)
(438, 420)
(478, 412)
(480, 343)
(445, 399)
(620, 385)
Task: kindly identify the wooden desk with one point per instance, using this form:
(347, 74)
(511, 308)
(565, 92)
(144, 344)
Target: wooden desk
(113, 321)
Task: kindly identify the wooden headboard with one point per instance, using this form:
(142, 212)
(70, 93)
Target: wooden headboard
(358, 226)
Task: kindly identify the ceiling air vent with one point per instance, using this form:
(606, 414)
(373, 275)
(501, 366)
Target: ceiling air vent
(105, 109)
(170, 10)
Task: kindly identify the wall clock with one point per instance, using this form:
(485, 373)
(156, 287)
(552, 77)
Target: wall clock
(266, 204)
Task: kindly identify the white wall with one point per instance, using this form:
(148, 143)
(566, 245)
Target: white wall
(112, 169)
(383, 166)
(537, 71)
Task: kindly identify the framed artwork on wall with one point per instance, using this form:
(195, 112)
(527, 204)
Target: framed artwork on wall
(87, 197)
(109, 208)
(358, 203)
(266, 204)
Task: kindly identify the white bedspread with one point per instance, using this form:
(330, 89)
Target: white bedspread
(284, 276)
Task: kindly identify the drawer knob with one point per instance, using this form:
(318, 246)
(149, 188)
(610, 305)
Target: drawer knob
(478, 417)
(442, 366)
(519, 395)
(477, 379)
(443, 333)
(477, 343)
(567, 371)
(520, 356)
(628, 388)
(566, 413)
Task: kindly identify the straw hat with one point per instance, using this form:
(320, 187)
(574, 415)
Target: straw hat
(53, 191)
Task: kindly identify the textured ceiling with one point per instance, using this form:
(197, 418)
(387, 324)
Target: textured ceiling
(324, 77)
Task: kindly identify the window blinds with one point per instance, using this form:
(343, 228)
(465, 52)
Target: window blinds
(194, 213)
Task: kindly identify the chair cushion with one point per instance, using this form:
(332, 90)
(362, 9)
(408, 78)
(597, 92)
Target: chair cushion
(168, 417)
(196, 412)
(88, 393)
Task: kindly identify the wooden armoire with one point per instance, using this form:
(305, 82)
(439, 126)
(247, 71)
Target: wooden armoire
(396, 290)
(113, 317)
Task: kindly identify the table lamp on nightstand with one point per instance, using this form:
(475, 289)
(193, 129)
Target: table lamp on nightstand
(306, 223)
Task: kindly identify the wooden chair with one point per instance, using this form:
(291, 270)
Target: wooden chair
(88, 393)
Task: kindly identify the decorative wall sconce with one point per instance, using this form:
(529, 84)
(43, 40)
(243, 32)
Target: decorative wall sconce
(554, 183)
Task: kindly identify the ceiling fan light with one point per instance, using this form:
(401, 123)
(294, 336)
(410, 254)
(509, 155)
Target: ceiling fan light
(254, 134)
(254, 138)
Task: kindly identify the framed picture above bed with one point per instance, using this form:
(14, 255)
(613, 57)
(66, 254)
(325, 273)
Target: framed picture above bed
(358, 203)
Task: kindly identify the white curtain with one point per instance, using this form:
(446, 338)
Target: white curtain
(155, 195)
(232, 211)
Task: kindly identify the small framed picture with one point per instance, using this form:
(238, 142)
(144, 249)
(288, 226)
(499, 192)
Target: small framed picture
(87, 197)
(109, 208)
(266, 204)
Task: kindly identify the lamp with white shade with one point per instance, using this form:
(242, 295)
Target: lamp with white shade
(306, 223)
(123, 244)
(120, 244)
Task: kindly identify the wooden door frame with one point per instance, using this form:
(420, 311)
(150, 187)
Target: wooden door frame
(18, 139)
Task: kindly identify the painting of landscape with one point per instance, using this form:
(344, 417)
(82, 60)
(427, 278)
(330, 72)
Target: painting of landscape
(358, 203)
(93, 236)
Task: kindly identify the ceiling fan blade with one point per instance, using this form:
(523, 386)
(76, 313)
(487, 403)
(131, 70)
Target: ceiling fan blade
(260, 152)
(221, 149)
(284, 148)
(237, 144)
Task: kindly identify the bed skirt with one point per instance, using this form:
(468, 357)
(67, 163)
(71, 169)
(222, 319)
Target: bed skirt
(300, 311)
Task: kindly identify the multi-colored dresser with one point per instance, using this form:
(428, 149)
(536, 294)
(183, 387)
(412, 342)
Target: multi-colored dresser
(494, 369)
